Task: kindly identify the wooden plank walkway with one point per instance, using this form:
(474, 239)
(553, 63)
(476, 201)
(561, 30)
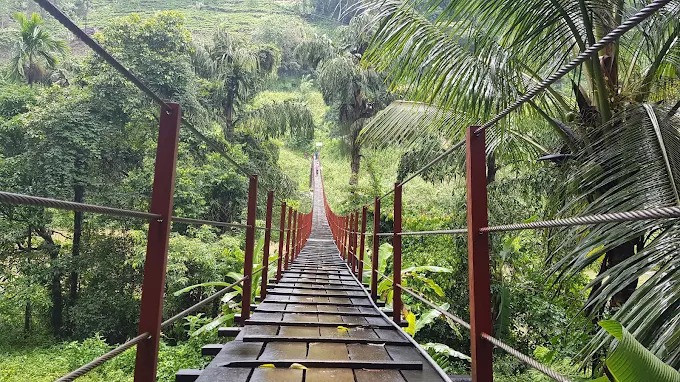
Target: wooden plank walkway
(319, 316)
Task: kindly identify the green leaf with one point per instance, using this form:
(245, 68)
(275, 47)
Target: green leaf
(429, 317)
(235, 275)
(213, 324)
(230, 296)
(632, 362)
(444, 349)
(427, 268)
(206, 284)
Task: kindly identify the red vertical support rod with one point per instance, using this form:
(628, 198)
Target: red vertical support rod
(396, 243)
(151, 311)
(376, 249)
(362, 245)
(293, 230)
(290, 216)
(478, 257)
(348, 244)
(350, 250)
(267, 240)
(282, 237)
(355, 242)
(300, 222)
(250, 249)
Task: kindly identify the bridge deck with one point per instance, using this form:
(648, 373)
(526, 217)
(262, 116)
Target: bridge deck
(320, 316)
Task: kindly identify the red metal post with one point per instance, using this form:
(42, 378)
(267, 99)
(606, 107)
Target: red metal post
(151, 312)
(376, 249)
(345, 226)
(267, 240)
(396, 244)
(348, 245)
(298, 229)
(478, 258)
(293, 230)
(355, 243)
(290, 216)
(350, 251)
(362, 244)
(250, 249)
(282, 227)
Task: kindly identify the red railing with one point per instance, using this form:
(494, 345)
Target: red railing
(344, 228)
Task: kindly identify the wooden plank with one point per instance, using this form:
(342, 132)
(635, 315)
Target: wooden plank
(378, 376)
(328, 310)
(330, 317)
(355, 320)
(326, 351)
(236, 350)
(299, 331)
(363, 332)
(268, 339)
(402, 353)
(300, 317)
(279, 375)
(329, 375)
(284, 350)
(367, 352)
(212, 374)
(316, 363)
(390, 334)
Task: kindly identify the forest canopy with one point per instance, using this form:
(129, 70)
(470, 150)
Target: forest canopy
(379, 89)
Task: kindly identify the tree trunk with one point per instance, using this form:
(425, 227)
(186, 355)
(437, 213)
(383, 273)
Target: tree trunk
(616, 256)
(78, 197)
(27, 310)
(56, 311)
(355, 154)
(229, 111)
(491, 169)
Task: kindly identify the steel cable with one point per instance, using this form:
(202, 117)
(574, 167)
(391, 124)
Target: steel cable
(496, 342)
(202, 303)
(130, 76)
(208, 222)
(456, 319)
(590, 51)
(79, 372)
(21, 199)
(617, 32)
(615, 217)
(90, 42)
(526, 359)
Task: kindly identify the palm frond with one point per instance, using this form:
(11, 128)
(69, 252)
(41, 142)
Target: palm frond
(632, 164)
(279, 118)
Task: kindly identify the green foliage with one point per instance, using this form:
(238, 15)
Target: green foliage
(632, 362)
(35, 51)
(47, 362)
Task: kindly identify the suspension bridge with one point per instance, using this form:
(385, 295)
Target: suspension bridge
(316, 320)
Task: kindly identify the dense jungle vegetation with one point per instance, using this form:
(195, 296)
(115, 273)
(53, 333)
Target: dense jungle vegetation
(380, 87)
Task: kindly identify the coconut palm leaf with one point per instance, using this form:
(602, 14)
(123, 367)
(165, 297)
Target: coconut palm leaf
(632, 164)
(279, 118)
(35, 50)
(425, 131)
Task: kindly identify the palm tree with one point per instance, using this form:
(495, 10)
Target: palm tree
(235, 72)
(355, 92)
(35, 50)
(615, 117)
